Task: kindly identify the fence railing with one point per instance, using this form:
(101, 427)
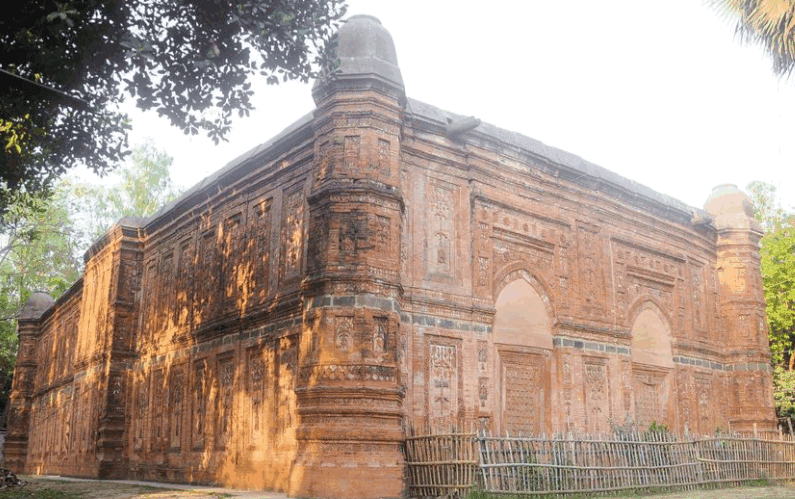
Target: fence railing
(441, 463)
(453, 463)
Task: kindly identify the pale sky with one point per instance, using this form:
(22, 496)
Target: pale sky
(659, 92)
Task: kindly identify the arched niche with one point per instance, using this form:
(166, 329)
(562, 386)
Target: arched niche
(652, 363)
(522, 317)
(523, 345)
(651, 337)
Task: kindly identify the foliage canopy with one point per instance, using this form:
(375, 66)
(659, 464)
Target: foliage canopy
(770, 23)
(778, 282)
(36, 253)
(43, 239)
(65, 68)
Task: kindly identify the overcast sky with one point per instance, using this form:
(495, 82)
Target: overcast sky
(659, 92)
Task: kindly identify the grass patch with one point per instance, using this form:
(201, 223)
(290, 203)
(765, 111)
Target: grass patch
(47, 493)
(764, 482)
(651, 491)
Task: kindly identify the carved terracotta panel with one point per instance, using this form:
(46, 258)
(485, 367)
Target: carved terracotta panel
(443, 382)
(596, 383)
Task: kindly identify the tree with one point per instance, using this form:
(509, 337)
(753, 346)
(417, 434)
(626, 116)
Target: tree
(64, 69)
(778, 282)
(144, 185)
(767, 207)
(37, 252)
(770, 23)
(43, 239)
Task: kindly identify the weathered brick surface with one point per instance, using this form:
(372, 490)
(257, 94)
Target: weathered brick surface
(281, 323)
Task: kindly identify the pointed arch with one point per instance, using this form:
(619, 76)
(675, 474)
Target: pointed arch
(512, 272)
(651, 335)
(522, 337)
(641, 303)
(652, 364)
(522, 316)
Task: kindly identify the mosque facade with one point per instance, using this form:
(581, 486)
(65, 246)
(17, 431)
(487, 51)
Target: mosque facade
(383, 263)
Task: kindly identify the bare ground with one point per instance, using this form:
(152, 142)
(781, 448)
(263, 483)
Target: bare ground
(37, 487)
(766, 492)
(40, 488)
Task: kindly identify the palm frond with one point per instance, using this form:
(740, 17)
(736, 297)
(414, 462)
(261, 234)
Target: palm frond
(770, 23)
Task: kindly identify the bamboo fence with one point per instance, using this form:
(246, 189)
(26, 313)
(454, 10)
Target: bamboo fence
(451, 463)
(442, 461)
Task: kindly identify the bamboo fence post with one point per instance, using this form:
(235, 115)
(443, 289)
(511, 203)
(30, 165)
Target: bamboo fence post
(618, 459)
(483, 459)
(456, 466)
(667, 472)
(625, 460)
(724, 454)
(496, 445)
(735, 452)
(661, 471)
(699, 468)
(429, 471)
(490, 453)
(586, 475)
(673, 452)
(684, 468)
(575, 462)
(635, 452)
(742, 456)
(655, 452)
(434, 450)
(655, 458)
(681, 469)
(598, 473)
(611, 476)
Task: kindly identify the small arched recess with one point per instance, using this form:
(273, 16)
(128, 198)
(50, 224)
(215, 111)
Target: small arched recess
(652, 362)
(523, 345)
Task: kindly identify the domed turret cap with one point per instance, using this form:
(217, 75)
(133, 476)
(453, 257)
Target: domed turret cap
(731, 208)
(38, 303)
(365, 49)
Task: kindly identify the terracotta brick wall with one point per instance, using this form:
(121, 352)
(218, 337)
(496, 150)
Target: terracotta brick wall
(281, 323)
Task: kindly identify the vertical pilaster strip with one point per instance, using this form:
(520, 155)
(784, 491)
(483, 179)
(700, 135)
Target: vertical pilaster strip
(741, 309)
(15, 448)
(350, 397)
(124, 299)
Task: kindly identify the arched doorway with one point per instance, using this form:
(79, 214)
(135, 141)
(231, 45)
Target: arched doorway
(652, 363)
(523, 344)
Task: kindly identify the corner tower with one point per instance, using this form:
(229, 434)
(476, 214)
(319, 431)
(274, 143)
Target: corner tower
(350, 393)
(741, 308)
(20, 401)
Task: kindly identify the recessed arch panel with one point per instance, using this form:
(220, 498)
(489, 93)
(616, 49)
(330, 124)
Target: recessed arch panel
(651, 337)
(522, 318)
(523, 343)
(652, 363)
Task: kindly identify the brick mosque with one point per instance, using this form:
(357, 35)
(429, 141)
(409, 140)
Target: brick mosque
(379, 263)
